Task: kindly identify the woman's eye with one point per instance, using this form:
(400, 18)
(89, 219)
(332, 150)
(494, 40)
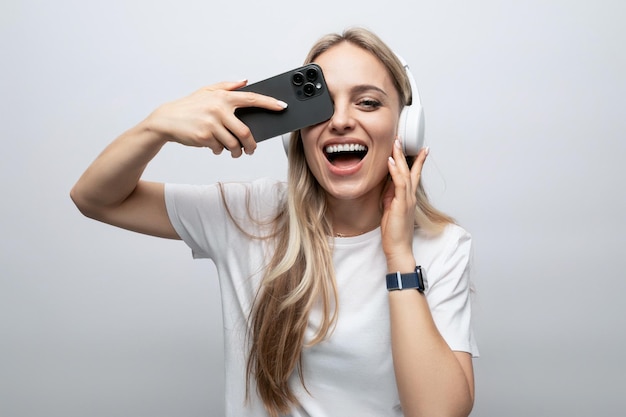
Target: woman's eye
(369, 103)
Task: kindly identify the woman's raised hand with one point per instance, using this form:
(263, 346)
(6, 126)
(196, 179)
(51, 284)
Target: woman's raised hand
(207, 118)
(111, 189)
(399, 203)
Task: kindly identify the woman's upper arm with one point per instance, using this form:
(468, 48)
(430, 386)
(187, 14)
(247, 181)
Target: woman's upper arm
(143, 211)
(465, 360)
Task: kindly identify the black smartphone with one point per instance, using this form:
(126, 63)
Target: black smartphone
(306, 94)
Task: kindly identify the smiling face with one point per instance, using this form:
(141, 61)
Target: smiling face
(348, 153)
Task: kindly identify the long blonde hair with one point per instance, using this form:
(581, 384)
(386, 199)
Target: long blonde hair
(300, 273)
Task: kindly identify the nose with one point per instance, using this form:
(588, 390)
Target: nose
(342, 120)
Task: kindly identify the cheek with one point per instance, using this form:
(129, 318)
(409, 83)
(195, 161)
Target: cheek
(310, 155)
(311, 133)
(307, 143)
(383, 126)
(386, 136)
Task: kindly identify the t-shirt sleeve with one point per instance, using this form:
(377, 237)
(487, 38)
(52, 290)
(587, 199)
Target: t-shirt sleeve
(196, 214)
(450, 290)
(209, 217)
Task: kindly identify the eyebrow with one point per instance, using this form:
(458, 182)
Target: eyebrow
(362, 88)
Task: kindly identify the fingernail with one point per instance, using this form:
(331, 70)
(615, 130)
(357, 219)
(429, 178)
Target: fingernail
(427, 150)
(397, 143)
(282, 104)
(392, 162)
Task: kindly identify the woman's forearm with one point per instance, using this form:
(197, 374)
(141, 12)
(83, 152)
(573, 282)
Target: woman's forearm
(114, 174)
(430, 378)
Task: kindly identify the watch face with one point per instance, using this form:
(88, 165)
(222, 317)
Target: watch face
(421, 279)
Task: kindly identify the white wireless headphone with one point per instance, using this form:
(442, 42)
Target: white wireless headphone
(410, 124)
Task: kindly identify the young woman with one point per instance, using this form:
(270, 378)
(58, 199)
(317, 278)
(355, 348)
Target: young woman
(312, 329)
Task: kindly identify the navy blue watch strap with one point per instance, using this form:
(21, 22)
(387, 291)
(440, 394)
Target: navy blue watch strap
(413, 280)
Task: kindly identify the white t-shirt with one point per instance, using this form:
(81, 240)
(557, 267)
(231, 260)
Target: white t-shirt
(351, 372)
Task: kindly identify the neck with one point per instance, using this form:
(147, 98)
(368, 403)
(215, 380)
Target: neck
(354, 217)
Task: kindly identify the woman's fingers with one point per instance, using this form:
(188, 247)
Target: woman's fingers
(226, 85)
(399, 207)
(399, 201)
(405, 180)
(207, 118)
(245, 99)
(416, 169)
(400, 173)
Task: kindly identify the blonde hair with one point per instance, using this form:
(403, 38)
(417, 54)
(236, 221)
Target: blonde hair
(300, 273)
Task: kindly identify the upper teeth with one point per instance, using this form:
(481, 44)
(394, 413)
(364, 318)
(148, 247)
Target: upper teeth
(352, 147)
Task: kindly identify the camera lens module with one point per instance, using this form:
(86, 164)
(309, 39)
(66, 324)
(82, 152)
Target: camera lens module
(297, 78)
(309, 89)
(311, 74)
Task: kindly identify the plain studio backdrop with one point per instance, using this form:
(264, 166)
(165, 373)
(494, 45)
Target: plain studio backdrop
(525, 117)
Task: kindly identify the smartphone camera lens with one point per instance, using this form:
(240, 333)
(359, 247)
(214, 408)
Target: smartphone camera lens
(311, 74)
(298, 78)
(309, 89)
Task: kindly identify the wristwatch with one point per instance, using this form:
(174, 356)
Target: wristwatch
(413, 280)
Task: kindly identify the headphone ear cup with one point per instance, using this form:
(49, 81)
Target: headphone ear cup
(286, 137)
(411, 129)
(411, 122)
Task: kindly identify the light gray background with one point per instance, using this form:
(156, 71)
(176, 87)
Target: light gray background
(525, 118)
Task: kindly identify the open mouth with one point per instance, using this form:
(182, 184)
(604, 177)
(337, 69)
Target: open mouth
(345, 155)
